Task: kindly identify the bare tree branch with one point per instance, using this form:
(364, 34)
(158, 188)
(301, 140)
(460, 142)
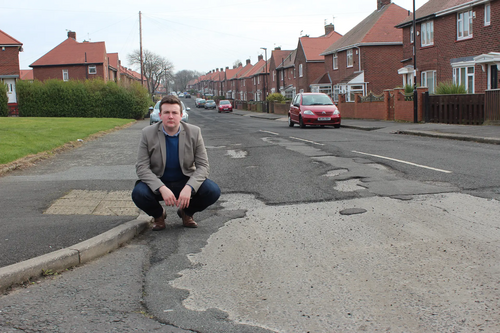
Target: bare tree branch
(156, 68)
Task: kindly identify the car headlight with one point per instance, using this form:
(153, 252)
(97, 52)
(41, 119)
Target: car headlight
(309, 112)
(336, 112)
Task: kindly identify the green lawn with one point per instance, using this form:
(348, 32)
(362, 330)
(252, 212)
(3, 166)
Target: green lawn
(20, 137)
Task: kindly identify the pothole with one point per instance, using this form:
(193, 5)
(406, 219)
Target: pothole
(350, 185)
(335, 173)
(237, 153)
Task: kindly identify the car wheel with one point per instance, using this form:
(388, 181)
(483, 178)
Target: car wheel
(301, 123)
(336, 125)
(290, 122)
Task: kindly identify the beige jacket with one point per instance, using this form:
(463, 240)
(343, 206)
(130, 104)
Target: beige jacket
(152, 156)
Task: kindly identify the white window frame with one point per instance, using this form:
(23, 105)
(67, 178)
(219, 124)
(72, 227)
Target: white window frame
(464, 19)
(487, 14)
(352, 89)
(349, 58)
(465, 75)
(301, 71)
(427, 33)
(411, 35)
(281, 72)
(92, 69)
(335, 61)
(65, 75)
(427, 76)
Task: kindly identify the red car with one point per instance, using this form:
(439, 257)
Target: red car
(225, 106)
(313, 109)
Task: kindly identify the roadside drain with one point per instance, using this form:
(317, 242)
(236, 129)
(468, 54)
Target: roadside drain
(83, 202)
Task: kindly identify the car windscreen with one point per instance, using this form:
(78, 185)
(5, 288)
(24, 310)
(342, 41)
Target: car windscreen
(224, 102)
(316, 100)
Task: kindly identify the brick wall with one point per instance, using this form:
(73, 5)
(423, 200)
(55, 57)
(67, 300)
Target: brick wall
(76, 72)
(9, 61)
(380, 65)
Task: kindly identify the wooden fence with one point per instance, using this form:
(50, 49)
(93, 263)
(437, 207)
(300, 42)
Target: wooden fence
(492, 106)
(465, 109)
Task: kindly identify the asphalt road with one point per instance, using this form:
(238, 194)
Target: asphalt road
(309, 235)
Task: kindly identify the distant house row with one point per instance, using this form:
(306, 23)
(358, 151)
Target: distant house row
(70, 60)
(455, 40)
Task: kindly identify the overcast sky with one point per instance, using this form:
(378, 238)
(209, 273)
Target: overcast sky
(195, 35)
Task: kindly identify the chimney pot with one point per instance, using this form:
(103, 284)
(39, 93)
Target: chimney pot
(277, 48)
(382, 3)
(72, 34)
(248, 61)
(329, 28)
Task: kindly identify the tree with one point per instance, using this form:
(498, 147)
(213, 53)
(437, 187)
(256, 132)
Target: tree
(183, 77)
(156, 68)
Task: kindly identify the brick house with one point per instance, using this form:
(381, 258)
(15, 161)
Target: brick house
(255, 80)
(231, 82)
(368, 56)
(241, 82)
(455, 41)
(309, 62)
(9, 67)
(72, 60)
(114, 65)
(277, 57)
(285, 72)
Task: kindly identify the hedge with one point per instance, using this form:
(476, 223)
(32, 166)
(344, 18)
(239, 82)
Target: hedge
(87, 99)
(4, 109)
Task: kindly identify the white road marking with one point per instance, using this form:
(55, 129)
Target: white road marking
(269, 132)
(315, 143)
(405, 162)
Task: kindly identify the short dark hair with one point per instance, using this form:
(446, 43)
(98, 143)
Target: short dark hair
(171, 99)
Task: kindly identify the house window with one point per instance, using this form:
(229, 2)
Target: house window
(428, 79)
(274, 75)
(336, 92)
(92, 69)
(349, 58)
(464, 76)
(301, 74)
(427, 31)
(65, 75)
(281, 73)
(335, 61)
(464, 25)
(353, 90)
(411, 35)
(487, 14)
(258, 79)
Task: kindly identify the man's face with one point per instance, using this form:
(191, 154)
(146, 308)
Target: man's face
(170, 115)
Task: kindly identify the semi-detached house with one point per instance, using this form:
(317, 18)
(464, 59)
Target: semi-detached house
(9, 66)
(456, 41)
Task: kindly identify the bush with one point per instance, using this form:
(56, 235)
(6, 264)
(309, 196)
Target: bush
(275, 97)
(450, 88)
(88, 99)
(4, 109)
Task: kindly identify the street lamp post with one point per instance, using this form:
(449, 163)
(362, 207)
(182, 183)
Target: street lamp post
(265, 79)
(415, 95)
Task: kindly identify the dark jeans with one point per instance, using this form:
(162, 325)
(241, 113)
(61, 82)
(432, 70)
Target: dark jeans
(149, 202)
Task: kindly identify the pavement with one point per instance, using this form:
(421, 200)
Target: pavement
(114, 238)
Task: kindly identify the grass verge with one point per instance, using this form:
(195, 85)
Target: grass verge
(25, 140)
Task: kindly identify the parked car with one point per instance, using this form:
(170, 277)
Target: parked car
(210, 104)
(313, 109)
(180, 95)
(155, 115)
(200, 102)
(187, 95)
(225, 106)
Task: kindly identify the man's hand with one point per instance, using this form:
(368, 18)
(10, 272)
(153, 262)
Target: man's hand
(184, 197)
(168, 196)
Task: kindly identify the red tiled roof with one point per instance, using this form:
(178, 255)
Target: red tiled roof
(434, 6)
(279, 56)
(314, 46)
(258, 68)
(244, 71)
(26, 74)
(377, 28)
(72, 52)
(289, 60)
(5, 39)
(231, 73)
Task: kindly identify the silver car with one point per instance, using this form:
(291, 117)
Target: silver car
(155, 115)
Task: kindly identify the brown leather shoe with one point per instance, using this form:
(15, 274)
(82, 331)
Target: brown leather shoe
(187, 220)
(159, 222)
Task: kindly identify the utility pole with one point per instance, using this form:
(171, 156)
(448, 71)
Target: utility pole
(140, 48)
(415, 94)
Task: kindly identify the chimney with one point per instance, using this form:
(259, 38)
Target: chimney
(227, 67)
(330, 27)
(382, 3)
(278, 48)
(72, 34)
(260, 57)
(217, 69)
(240, 64)
(248, 61)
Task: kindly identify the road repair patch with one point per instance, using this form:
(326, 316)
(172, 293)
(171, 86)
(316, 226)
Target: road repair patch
(83, 202)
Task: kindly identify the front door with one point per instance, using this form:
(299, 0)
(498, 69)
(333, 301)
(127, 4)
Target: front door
(11, 90)
(493, 77)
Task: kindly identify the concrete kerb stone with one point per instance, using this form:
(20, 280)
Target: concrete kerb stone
(70, 257)
(451, 136)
